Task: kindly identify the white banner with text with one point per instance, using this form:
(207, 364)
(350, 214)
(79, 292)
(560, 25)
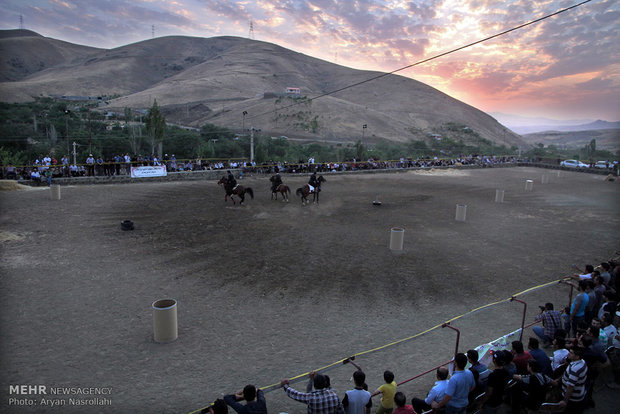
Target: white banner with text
(150, 171)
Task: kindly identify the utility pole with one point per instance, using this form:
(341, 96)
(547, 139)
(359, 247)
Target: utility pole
(251, 144)
(74, 153)
(67, 114)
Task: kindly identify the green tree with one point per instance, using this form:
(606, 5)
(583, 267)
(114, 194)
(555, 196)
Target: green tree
(155, 128)
(359, 150)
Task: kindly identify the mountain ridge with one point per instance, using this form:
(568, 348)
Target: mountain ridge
(198, 80)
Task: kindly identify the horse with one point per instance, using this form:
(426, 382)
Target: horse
(282, 189)
(304, 191)
(238, 190)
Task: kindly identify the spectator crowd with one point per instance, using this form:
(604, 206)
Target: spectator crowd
(574, 352)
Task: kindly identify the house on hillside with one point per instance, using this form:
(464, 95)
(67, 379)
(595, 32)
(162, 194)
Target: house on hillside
(293, 91)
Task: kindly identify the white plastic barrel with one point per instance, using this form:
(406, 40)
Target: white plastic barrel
(499, 196)
(461, 212)
(397, 237)
(165, 327)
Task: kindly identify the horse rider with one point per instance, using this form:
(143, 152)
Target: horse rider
(232, 183)
(276, 181)
(313, 182)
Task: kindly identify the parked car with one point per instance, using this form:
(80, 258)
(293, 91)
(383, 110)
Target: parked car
(573, 164)
(601, 164)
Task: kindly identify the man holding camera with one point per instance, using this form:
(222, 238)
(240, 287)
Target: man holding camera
(551, 321)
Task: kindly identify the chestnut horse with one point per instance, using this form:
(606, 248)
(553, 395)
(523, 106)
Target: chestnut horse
(304, 191)
(282, 189)
(238, 190)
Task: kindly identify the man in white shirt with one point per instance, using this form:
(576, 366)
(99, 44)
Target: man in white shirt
(435, 394)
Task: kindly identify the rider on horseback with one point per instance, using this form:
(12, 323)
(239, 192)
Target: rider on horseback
(313, 182)
(232, 183)
(276, 181)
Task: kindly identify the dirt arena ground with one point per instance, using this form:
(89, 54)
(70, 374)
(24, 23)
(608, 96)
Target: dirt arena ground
(270, 290)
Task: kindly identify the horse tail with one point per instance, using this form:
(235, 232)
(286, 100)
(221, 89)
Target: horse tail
(288, 190)
(250, 192)
(299, 192)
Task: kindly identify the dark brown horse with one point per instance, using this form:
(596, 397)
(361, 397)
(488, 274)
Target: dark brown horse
(238, 190)
(282, 189)
(304, 191)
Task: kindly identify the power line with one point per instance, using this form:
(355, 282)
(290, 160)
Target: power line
(432, 57)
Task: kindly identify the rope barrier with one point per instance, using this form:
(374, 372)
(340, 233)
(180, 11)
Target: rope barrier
(298, 378)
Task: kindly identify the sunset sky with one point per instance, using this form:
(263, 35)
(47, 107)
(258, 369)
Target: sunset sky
(566, 67)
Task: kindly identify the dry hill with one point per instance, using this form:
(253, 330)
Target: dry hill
(198, 80)
(606, 139)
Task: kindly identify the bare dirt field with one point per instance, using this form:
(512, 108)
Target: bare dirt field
(270, 290)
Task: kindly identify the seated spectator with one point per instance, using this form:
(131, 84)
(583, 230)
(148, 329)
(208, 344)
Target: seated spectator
(459, 386)
(319, 401)
(609, 304)
(357, 400)
(610, 330)
(595, 359)
(11, 173)
(540, 356)
(436, 393)
(602, 335)
(35, 176)
(532, 389)
(401, 406)
(551, 321)
(520, 357)
(509, 364)
(559, 361)
(492, 398)
(481, 372)
(218, 407)
(387, 391)
(255, 404)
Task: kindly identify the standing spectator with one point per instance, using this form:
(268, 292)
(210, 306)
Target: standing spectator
(127, 160)
(551, 321)
(400, 401)
(118, 159)
(599, 289)
(605, 268)
(65, 165)
(436, 393)
(574, 382)
(256, 403)
(357, 400)
(578, 307)
(90, 165)
(520, 357)
(589, 313)
(387, 391)
(99, 166)
(540, 356)
(584, 275)
(319, 401)
(460, 385)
